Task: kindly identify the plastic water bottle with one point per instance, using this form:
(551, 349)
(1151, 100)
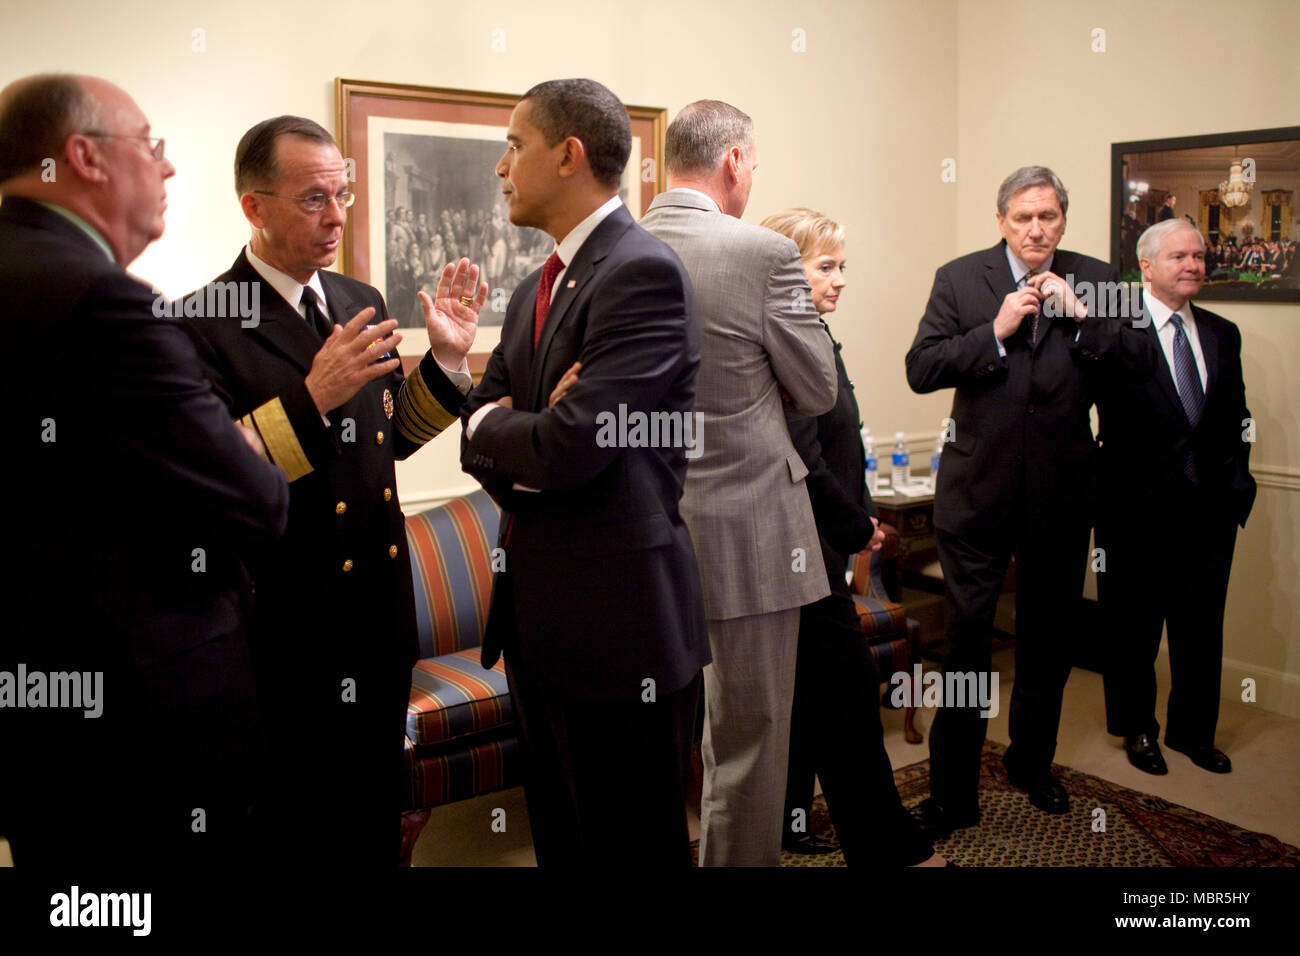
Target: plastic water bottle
(934, 463)
(900, 475)
(872, 466)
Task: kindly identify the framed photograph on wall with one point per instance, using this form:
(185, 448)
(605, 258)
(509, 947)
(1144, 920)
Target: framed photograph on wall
(424, 159)
(1240, 190)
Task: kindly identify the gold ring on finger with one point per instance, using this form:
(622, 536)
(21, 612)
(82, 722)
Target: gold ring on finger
(467, 300)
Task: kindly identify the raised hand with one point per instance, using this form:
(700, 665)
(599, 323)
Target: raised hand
(347, 360)
(452, 323)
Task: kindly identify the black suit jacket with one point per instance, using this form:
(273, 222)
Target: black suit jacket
(831, 446)
(342, 573)
(1145, 433)
(134, 506)
(1022, 424)
(601, 589)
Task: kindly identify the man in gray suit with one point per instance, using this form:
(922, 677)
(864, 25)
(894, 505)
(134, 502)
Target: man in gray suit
(764, 355)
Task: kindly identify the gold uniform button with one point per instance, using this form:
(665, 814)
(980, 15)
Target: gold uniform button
(379, 439)
(341, 507)
(388, 494)
(347, 565)
(392, 550)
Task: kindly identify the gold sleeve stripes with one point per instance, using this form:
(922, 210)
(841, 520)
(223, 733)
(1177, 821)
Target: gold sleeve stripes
(419, 416)
(282, 447)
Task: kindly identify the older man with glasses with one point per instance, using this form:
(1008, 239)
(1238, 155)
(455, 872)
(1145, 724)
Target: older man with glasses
(127, 718)
(316, 373)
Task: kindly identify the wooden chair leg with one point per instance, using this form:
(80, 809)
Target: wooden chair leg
(910, 733)
(413, 822)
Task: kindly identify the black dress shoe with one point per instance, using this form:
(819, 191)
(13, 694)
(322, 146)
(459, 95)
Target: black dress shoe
(1045, 792)
(1144, 753)
(1206, 757)
(932, 817)
(809, 846)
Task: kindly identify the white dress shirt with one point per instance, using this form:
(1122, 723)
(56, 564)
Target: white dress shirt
(1165, 331)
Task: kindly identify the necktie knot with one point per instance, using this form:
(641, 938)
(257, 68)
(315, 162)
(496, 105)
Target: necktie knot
(552, 268)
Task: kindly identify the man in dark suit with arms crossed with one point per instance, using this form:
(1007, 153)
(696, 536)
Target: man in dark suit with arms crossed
(136, 504)
(599, 611)
(1175, 463)
(1006, 330)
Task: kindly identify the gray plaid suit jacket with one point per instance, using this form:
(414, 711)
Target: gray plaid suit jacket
(745, 501)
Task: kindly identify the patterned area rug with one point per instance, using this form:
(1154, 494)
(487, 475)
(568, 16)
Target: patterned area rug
(1140, 830)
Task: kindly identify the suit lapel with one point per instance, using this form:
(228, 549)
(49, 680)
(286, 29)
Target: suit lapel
(1164, 374)
(280, 326)
(563, 296)
(1001, 283)
(1209, 348)
(338, 300)
(517, 339)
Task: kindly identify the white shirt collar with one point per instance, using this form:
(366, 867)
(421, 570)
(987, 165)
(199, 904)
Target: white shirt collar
(1018, 268)
(290, 289)
(570, 244)
(1161, 313)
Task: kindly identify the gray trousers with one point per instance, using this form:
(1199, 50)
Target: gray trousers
(748, 692)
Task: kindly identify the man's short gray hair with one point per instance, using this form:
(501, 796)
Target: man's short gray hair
(1152, 239)
(1027, 177)
(37, 116)
(702, 132)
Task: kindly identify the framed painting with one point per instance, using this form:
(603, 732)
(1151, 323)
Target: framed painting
(424, 161)
(1240, 190)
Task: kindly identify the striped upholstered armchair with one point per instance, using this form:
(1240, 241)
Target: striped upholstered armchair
(460, 725)
(893, 638)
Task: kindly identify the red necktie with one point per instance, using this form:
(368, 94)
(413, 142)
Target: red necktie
(550, 270)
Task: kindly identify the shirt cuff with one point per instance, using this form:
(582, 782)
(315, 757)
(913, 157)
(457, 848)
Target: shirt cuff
(478, 417)
(459, 377)
(1001, 348)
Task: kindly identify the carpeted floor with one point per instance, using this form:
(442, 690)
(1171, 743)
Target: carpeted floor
(1139, 829)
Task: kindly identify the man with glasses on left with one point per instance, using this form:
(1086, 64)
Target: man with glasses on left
(309, 362)
(127, 719)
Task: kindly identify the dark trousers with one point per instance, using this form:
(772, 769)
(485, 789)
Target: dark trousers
(161, 780)
(1050, 568)
(836, 734)
(1167, 567)
(333, 790)
(605, 781)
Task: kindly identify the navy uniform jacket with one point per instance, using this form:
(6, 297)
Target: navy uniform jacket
(1023, 431)
(134, 507)
(601, 589)
(338, 590)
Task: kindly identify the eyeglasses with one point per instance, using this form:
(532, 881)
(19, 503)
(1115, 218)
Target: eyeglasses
(156, 143)
(316, 202)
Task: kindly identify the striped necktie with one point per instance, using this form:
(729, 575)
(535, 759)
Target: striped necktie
(1188, 381)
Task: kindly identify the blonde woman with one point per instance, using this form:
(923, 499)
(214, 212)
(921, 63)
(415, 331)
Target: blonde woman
(835, 728)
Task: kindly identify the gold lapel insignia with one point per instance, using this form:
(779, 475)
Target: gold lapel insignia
(388, 403)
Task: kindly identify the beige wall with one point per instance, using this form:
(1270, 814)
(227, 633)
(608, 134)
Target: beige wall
(843, 127)
(858, 126)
